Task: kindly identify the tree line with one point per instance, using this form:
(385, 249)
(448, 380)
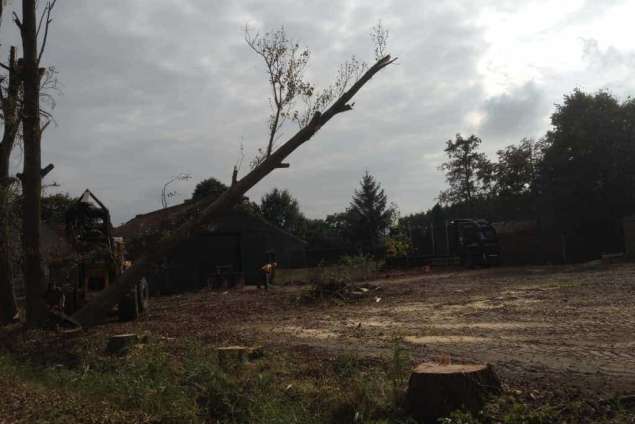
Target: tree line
(577, 180)
(361, 227)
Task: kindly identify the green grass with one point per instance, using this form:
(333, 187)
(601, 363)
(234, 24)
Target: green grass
(164, 382)
(186, 385)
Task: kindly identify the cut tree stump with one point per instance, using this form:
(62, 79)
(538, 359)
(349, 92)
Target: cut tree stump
(435, 390)
(235, 355)
(121, 343)
(232, 355)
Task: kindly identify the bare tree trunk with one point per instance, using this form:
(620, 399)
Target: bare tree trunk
(8, 307)
(211, 210)
(36, 310)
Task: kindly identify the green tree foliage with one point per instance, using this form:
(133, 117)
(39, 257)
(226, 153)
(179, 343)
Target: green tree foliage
(467, 171)
(328, 233)
(587, 172)
(369, 215)
(54, 207)
(338, 222)
(208, 187)
(515, 171)
(281, 209)
(322, 234)
(578, 180)
(214, 188)
(397, 246)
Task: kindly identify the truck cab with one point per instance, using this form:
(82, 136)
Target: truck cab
(474, 241)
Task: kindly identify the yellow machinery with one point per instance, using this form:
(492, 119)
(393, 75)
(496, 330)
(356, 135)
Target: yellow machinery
(98, 259)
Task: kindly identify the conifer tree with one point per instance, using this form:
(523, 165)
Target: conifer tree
(369, 214)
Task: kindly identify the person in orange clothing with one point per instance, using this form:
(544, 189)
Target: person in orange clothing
(269, 271)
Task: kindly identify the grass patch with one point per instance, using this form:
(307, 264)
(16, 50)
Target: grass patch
(163, 382)
(156, 382)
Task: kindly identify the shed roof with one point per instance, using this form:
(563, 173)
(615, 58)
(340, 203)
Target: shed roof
(159, 220)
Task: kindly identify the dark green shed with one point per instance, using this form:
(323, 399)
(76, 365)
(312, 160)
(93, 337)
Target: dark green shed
(228, 252)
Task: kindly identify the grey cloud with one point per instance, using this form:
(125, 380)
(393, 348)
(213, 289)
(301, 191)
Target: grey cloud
(152, 88)
(603, 59)
(521, 111)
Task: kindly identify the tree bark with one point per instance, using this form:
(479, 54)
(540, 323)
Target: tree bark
(36, 310)
(435, 390)
(8, 308)
(210, 210)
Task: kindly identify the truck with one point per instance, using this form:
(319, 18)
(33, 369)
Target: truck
(97, 259)
(468, 241)
(473, 241)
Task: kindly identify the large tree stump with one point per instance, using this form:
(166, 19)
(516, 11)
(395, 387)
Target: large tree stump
(435, 390)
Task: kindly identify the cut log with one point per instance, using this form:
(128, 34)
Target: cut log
(121, 343)
(435, 390)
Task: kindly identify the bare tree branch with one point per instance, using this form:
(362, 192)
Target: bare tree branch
(285, 62)
(39, 25)
(48, 9)
(17, 21)
(379, 36)
(45, 126)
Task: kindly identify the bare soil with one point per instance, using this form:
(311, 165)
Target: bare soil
(554, 335)
(549, 328)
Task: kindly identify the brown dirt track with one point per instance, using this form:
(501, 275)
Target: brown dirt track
(550, 328)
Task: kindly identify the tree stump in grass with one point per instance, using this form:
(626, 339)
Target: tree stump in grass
(121, 343)
(232, 355)
(236, 355)
(435, 390)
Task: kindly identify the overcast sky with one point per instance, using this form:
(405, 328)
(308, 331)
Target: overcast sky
(153, 88)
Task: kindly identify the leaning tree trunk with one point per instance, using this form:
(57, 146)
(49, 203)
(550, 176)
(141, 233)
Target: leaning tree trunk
(210, 210)
(8, 307)
(36, 310)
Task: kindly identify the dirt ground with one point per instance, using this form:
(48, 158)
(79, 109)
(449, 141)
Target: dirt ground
(543, 329)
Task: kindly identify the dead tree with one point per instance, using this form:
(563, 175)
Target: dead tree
(209, 209)
(11, 121)
(35, 285)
